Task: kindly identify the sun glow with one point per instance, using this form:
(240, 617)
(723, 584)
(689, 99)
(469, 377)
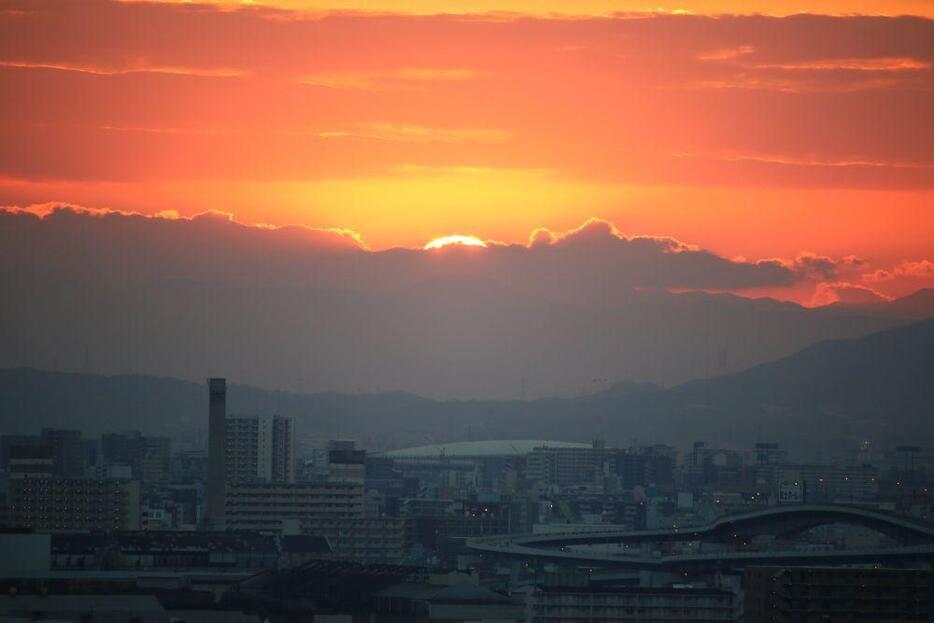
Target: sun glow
(464, 241)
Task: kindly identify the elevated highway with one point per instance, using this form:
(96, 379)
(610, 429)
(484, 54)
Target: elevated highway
(916, 541)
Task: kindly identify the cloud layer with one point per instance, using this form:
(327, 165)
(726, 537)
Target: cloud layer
(191, 297)
(593, 260)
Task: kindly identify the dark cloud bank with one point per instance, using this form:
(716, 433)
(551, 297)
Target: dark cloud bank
(297, 307)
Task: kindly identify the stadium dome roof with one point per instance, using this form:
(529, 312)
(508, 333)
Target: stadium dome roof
(479, 449)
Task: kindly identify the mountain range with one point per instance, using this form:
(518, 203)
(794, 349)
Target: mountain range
(878, 387)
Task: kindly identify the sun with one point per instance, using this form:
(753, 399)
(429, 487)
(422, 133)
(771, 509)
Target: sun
(456, 239)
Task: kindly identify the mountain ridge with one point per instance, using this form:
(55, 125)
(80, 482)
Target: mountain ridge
(875, 387)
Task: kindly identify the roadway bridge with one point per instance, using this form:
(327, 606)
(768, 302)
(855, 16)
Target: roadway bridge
(916, 540)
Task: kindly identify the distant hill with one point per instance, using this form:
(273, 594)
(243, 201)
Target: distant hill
(446, 340)
(915, 306)
(878, 387)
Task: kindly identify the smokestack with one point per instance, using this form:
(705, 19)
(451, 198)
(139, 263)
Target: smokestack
(217, 429)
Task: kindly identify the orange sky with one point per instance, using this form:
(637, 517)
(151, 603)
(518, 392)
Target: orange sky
(605, 7)
(757, 136)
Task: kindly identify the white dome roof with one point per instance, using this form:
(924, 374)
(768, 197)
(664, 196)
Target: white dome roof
(477, 449)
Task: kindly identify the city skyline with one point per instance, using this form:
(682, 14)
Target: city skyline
(450, 311)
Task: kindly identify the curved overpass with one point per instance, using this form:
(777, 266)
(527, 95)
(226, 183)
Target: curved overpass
(917, 539)
(716, 560)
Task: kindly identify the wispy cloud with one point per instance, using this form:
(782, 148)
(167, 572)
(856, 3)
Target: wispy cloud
(850, 64)
(920, 269)
(395, 79)
(725, 54)
(418, 134)
(121, 71)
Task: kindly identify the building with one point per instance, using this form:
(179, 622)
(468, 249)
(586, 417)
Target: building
(461, 600)
(567, 466)
(216, 481)
(67, 451)
(832, 483)
(95, 608)
(157, 452)
(30, 462)
(283, 507)
(560, 600)
(168, 550)
(122, 449)
(362, 539)
(9, 441)
(259, 449)
(835, 594)
(283, 449)
(345, 462)
(247, 450)
(74, 504)
(147, 457)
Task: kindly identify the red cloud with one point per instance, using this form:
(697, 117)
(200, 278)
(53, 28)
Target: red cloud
(828, 293)
(921, 269)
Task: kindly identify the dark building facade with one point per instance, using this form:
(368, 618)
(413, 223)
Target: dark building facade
(837, 594)
(217, 423)
(67, 451)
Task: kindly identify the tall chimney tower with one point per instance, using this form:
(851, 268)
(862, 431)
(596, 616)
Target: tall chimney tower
(217, 428)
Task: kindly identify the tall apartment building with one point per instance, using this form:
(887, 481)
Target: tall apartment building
(74, 504)
(564, 466)
(259, 449)
(280, 506)
(246, 453)
(283, 449)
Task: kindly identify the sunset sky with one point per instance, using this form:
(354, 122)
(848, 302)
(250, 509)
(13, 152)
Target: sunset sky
(797, 132)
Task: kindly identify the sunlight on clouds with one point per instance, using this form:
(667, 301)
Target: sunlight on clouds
(418, 134)
(405, 78)
(419, 203)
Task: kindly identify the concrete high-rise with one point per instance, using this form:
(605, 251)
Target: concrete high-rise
(259, 449)
(217, 425)
(283, 449)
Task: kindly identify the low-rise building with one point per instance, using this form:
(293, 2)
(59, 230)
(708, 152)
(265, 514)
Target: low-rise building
(74, 504)
(826, 483)
(275, 506)
(362, 539)
(837, 594)
(560, 601)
